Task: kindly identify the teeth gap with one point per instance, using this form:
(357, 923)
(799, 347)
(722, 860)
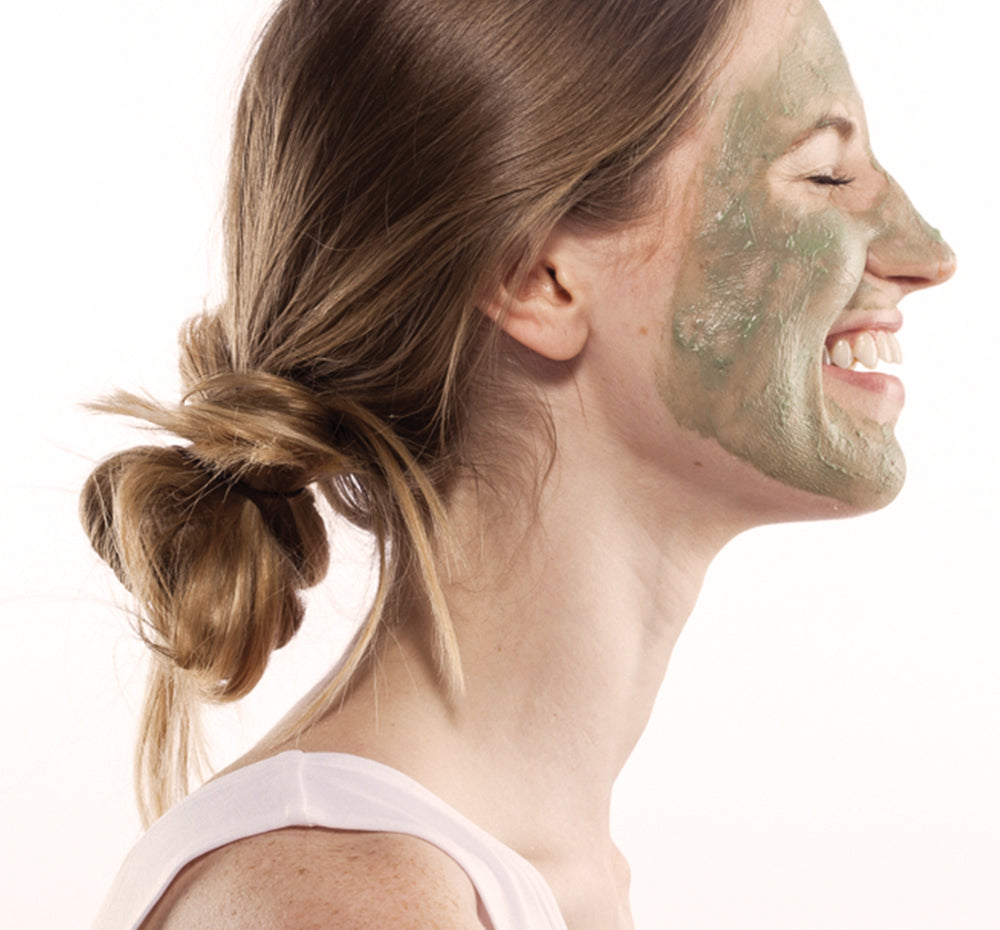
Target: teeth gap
(865, 347)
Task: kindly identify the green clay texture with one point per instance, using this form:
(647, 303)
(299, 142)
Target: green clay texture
(767, 273)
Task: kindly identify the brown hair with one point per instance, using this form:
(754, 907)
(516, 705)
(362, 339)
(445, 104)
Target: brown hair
(392, 161)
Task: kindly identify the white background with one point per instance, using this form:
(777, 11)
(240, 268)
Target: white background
(826, 751)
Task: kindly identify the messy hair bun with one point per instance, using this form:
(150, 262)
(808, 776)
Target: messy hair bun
(393, 162)
(216, 538)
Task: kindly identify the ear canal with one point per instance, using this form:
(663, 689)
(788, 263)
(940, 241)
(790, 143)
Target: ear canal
(561, 292)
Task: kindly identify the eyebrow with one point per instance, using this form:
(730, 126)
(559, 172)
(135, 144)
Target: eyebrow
(845, 128)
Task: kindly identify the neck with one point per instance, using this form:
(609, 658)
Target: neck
(563, 650)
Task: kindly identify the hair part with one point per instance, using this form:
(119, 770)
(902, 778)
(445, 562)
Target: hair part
(392, 161)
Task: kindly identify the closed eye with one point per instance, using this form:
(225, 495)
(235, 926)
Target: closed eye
(830, 180)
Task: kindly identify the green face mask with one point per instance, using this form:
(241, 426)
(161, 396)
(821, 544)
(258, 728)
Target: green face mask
(783, 237)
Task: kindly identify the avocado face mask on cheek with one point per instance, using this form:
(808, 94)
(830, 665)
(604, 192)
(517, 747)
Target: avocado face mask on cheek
(763, 280)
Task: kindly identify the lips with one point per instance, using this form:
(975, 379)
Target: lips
(860, 340)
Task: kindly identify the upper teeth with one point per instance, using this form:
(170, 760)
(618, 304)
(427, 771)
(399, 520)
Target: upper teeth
(866, 347)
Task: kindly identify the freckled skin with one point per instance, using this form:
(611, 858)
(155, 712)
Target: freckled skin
(767, 273)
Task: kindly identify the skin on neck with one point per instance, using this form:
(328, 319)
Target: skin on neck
(567, 612)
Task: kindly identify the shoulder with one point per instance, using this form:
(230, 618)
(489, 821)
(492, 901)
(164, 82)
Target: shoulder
(319, 879)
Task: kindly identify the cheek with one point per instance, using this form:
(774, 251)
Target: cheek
(741, 353)
(760, 289)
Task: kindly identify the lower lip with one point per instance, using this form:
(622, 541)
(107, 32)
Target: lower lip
(888, 387)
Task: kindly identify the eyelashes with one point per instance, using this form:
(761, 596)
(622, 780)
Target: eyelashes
(831, 180)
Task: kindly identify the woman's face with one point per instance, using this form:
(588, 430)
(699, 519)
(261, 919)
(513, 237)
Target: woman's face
(786, 244)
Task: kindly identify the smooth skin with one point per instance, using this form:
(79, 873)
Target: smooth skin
(567, 608)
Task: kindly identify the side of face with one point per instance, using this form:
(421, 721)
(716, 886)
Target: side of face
(799, 240)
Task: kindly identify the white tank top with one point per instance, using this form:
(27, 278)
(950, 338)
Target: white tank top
(337, 791)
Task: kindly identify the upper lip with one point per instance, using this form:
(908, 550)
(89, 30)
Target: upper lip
(853, 321)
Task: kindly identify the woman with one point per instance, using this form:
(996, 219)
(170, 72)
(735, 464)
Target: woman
(555, 302)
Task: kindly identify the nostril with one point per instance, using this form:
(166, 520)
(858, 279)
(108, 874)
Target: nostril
(913, 282)
(926, 274)
(936, 273)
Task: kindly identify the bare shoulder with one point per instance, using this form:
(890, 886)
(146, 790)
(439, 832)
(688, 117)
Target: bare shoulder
(318, 879)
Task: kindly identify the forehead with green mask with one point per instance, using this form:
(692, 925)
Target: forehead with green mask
(791, 209)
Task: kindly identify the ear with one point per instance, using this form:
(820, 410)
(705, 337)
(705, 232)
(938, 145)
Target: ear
(545, 311)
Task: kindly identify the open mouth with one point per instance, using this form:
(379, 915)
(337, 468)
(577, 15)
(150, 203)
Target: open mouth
(851, 358)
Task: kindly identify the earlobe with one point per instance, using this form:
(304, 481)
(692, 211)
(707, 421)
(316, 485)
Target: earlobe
(544, 312)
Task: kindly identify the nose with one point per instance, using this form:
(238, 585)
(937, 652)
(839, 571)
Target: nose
(906, 250)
